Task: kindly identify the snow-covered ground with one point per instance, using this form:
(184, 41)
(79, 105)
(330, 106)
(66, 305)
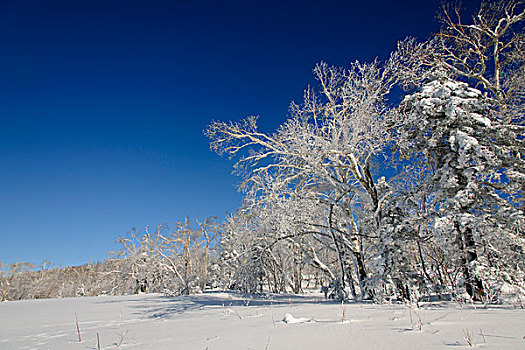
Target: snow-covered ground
(217, 320)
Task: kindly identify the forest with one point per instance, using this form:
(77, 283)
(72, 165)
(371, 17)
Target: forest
(395, 179)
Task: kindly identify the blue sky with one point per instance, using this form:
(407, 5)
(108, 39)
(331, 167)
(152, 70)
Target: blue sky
(103, 105)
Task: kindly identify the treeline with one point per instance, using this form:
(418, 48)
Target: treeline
(177, 259)
(180, 259)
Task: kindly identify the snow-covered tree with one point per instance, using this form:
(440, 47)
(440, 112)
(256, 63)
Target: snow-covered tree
(8, 273)
(472, 138)
(324, 152)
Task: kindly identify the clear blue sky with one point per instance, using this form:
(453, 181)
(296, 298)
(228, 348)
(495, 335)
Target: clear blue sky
(103, 104)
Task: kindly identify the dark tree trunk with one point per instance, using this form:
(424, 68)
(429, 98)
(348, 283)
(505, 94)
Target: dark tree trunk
(473, 284)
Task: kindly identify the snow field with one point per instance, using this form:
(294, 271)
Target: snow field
(217, 320)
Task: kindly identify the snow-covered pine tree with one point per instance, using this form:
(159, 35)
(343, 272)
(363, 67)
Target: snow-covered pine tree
(477, 192)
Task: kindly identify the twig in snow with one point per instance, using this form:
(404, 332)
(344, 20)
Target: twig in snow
(78, 329)
(236, 313)
(122, 337)
(482, 335)
(419, 321)
(468, 337)
(228, 311)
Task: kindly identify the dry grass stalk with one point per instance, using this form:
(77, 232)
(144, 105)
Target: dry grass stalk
(78, 329)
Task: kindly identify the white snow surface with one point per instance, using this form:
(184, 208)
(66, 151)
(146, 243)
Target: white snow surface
(219, 320)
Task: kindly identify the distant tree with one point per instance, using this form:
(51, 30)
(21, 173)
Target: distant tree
(8, 273)
(210, 231)
(177, 259)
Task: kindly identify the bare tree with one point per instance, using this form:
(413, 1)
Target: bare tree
(7, 275)
(488, 51)
(210, 230)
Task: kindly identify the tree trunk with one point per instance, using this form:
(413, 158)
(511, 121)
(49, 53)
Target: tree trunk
(340, 285)
(473, 284)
